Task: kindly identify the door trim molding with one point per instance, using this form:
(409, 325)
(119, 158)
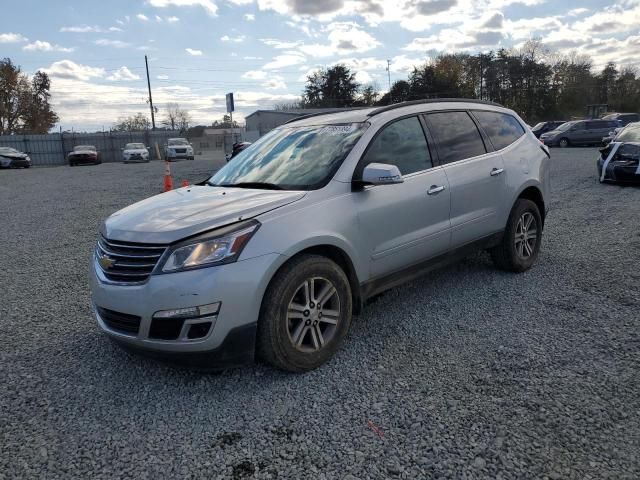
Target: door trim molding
(378, 285)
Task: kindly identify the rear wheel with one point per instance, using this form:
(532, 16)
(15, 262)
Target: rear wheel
(305, 315)
(564, 142)
(520, 245)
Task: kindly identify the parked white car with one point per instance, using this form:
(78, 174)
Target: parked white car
(135, 152)
(177, 148)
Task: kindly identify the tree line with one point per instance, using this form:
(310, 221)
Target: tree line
(534, 81)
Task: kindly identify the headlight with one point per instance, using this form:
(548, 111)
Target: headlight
(215, 248)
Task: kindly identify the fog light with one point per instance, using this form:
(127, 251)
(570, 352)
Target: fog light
(189, 312)
(198, 330)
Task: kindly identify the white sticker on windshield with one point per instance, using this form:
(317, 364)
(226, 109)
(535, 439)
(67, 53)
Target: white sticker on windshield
(337, 129)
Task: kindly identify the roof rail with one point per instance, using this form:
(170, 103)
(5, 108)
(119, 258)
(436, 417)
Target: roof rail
(430, 100)
(328, 112)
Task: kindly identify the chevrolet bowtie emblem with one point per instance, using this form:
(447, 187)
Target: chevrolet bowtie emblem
(106, 262)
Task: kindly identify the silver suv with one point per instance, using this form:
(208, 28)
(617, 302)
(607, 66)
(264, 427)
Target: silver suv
(275, 252)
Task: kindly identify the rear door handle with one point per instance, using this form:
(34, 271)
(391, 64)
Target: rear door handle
(496, 171)
(435, 189)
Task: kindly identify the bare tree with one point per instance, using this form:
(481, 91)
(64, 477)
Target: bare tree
(176, 118)
(132, 123)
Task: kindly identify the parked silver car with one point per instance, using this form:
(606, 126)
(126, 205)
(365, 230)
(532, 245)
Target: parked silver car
(178, 148)
(277, 251)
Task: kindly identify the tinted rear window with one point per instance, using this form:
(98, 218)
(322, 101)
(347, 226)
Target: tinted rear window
(502, 129)
(456, 135)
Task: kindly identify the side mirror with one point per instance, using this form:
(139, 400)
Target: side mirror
(381, 174)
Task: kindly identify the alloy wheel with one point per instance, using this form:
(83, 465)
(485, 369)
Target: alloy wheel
(526, 235)
(313, 314)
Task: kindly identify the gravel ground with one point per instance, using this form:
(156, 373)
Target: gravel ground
(466, 373)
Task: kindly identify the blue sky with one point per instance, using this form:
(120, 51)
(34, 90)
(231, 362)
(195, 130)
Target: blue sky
(263, 49)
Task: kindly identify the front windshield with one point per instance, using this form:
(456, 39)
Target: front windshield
(565, 126)
(84, 147)
(134, 146)
(629, 134)
(178, 141)
(7, 150)
(291, 158)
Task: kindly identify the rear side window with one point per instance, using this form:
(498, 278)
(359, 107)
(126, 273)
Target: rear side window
(402, 144)
(502, 129)
(456, 135)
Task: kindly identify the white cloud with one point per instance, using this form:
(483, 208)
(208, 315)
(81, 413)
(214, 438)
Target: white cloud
(275, 83)
(104, 42)
(404, 64)
(344, 37)
(159, 19)
(123, 74)
(255, 75)
(41, 46)
(279, 44)
(209, 6)
(12, 38)
(173, 19)
(143, 17)
(251, 58)
(71, 70)
(195, 53)
(238, 39)
(249, 17)
(577, 12)
(162, 77)
(82, 29)
(286, 60)
(363, 77)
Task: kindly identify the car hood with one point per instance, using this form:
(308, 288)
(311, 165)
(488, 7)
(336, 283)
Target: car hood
(178, 214)
(83, 152)
(551, 133)
(136, 150)
(14, 155)
(179, 146)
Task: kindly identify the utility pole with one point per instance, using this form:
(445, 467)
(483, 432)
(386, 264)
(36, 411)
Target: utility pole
(389, 77)
(481, 75)
(153, 118)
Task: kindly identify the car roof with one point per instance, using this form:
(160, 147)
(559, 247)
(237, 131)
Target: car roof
(360, 115)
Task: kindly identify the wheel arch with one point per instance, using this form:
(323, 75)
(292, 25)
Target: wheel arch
(335, 253)
(534, 193)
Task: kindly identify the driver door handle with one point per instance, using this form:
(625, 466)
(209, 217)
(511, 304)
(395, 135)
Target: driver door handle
(496, 171)
(435, 189)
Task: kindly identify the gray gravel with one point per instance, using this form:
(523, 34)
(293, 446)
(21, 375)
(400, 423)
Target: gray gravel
(466, 373)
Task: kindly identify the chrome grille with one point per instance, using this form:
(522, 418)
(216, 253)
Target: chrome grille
(127, 262)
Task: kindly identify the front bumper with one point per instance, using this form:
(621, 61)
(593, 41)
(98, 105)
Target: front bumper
(16, 163)
(180, 156)
(549, 142)
(239, 287)
(84, 160)
(619, 173)
(135, 159)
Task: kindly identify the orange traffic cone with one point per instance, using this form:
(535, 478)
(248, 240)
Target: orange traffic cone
(168, 181)
(185, 183)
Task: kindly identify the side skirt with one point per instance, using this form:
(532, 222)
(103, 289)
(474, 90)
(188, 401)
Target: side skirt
(378, 285)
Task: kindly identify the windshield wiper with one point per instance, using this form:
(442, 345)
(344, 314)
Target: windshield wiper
(261, 185)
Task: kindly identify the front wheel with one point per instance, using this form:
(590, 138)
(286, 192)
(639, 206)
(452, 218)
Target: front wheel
(305, 314)
(564, 142)
(520, 244)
